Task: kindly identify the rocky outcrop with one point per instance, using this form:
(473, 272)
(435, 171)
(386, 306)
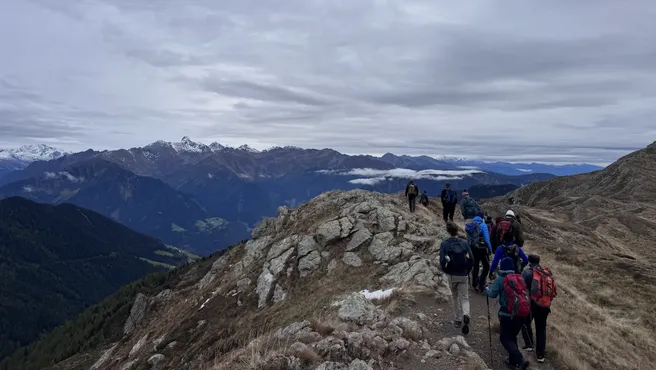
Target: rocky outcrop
(352, 259)
(309, 263)
(381, 249)
(359, 310)
(264, 287)
(359, 238)
(137, 313)
(329, 232)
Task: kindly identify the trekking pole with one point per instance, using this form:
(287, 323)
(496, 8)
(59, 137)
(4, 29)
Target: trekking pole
(489, 330)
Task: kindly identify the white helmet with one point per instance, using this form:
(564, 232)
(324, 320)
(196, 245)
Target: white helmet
(510, 213)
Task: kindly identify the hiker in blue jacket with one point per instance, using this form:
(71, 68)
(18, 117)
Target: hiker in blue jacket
(509, 327)
(508, 248)
(482, 250)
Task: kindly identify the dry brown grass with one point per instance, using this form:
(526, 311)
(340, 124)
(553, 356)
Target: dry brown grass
(322, 327)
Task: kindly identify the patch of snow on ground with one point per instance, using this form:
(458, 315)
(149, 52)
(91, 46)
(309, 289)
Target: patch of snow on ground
(203, 305)
(378, 294)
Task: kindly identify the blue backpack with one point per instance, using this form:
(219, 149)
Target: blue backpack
(451, 196)
(474, 235)
(458, 256)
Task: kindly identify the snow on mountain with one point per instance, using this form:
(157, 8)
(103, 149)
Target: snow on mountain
(215, 147)
(31, 153)
(247, 148)
(188, 145)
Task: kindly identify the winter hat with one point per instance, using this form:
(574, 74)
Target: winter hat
(480, 214)
(510, 213)
(533, 258)
(507, 264)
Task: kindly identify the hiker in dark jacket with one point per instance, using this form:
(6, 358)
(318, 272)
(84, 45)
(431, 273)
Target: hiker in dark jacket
(469, 207)
(411, 191)
(424, 199)
(538, 313)
(449, 202)
(503, 249)
(456, 262)
(518, 232)
(493, 238)
(509, 326)
(481, 249)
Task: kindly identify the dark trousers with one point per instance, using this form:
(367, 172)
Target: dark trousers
(449, 210)
(481, 256)
(539, 315)
(412, 201)
(508, 330)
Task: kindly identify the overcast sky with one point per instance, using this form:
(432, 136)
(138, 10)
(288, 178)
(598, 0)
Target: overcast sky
(557, 80)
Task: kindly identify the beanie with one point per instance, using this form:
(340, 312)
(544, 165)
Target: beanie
(533, 258)
(507, 264)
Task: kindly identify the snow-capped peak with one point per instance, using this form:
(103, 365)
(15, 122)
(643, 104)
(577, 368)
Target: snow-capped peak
(188, 145)
(247, 148)
(31, 153)
(450, 158)
(216, 147)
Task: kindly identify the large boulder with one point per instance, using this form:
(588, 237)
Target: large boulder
(281, 247)
(416, 271)
(306, 245)
(381, 250)
(255, 249)
(217, 266)
(137, 313)
(352, 259)
(359, 310)
(264, 287)
(329, 232)
(277, 265)
(360, 237)
(309, 263)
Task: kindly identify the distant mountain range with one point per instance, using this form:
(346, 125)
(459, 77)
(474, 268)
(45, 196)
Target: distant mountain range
(17, 159)
(56, 261)
(205, 197)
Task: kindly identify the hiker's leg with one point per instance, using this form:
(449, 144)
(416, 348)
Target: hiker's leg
(452, 211)
(457, 307)
(413, 204)
(463, 293)
(540, 333)
(445, 213)
(476, 256)
(485, 260)
(509, 328)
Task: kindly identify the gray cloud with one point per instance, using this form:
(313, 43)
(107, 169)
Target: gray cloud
(551, 81)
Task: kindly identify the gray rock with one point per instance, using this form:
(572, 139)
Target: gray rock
(402, 226)
(172, 345)
(381, 250)
(137, 313)
(216, 268)
(306, 246)
(267, 226)
(325, 255)
(283, 211)
(360, 237)
(329, 365)
(332, 265)
(278, 264)
(352, 259)
(454, 349)
(357, 309)
(139, 345)
(398, 345)
(243, 284)
(309, 337)
(416, 271)
(156, 359)
(419, 241)
(446, 343)
(359, 365)
(104, 358)
(255, 249)
(411, 329)
(164, 294)
(345, 225)
(281, 247)
(328, 232)
(292, 331)
(378, 345)
(433, 354)
(309, 263)
(385, 219)
(158, 342)
(279, 294)
(331, 348)
(131, 365)
(264, 287)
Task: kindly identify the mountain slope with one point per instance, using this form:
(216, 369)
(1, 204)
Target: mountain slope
(143, 203)
(597, 231)
(57, 260)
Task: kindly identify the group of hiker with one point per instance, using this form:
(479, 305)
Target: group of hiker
(524, 288)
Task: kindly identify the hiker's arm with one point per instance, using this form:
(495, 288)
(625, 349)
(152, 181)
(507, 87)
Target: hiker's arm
(527, 275)
(493, 290)
(520, 236)
(524, 257)
(470, 260)
(495, 261)
(486, 236)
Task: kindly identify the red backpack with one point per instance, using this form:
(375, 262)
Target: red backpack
(518, 296)
(504, 227)
(543, 287)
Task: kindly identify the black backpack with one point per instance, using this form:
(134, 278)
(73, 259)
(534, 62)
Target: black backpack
(458, 257)
(512, 251)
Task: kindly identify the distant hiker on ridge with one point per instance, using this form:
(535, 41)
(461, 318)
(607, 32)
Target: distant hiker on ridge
(468, 206)
(478, 237)
(542, 287)
(424, 199)
(514, 308)
(456, 262)
(411, 191)
(449, 202)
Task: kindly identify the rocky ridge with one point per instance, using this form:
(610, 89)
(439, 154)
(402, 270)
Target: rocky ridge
(289, 298)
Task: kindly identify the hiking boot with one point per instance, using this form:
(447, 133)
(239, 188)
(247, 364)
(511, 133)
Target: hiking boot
(457, 324)
(525, 365)
(465, 327)
(541, 360)
(527, 348)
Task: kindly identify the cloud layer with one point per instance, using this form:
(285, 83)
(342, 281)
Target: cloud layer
(370, 176)
(552, 81)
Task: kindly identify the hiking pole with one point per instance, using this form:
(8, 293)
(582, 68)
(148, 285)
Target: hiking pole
(489, 330)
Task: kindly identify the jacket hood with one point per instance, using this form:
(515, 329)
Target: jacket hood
(506, 272)
(478, 219)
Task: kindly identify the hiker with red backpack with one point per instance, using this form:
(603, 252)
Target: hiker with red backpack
(411, 191)
(514, 308)
(510, 223)
(542, 287)
(478, 237)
